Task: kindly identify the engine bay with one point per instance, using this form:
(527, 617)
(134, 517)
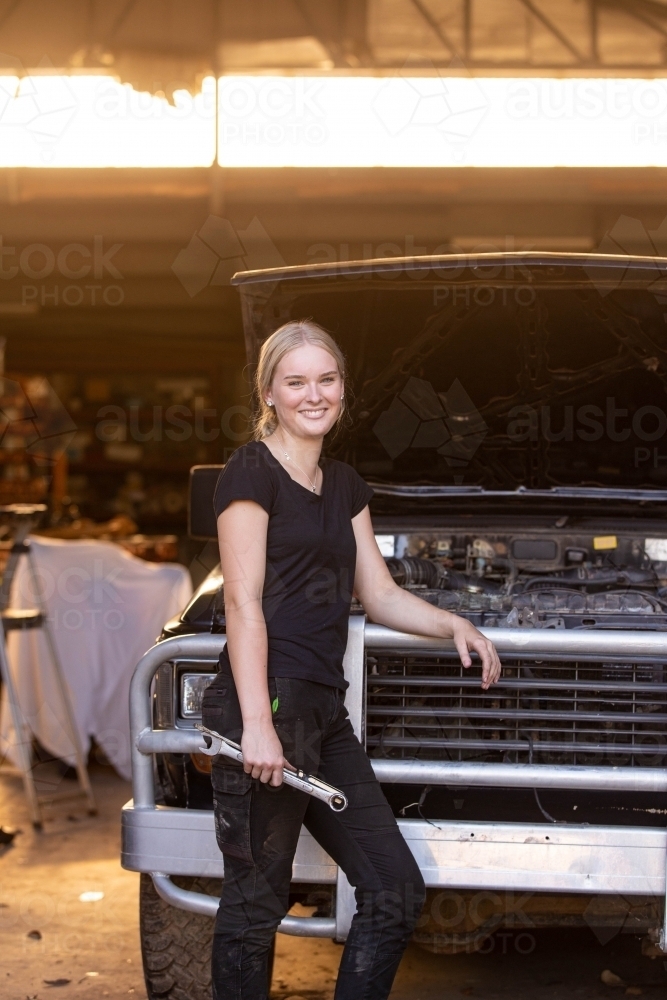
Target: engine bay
(532, 570)
(535, 578)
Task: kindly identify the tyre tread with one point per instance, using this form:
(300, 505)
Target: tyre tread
(175, 944)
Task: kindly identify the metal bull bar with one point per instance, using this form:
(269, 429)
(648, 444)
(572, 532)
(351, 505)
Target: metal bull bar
(610, 645)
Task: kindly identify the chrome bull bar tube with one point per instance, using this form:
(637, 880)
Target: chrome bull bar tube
(604, 644)
(198, 902)
(206, 646)
(442, 772)
(526, 643)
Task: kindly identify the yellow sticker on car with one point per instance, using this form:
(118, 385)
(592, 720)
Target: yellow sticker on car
(605, 542)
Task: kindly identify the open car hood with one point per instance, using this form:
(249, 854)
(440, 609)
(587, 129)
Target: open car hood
(494, 373)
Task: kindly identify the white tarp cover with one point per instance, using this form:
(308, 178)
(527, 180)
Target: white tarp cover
(106, 608)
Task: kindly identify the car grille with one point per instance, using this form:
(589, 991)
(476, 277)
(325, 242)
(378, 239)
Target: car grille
(556, 712)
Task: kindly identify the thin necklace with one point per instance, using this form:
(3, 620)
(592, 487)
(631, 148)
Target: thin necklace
(313, 486)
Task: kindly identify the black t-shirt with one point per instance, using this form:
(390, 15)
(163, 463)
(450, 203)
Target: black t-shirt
(310, 559)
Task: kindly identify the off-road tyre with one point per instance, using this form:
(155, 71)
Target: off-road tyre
(176, 944)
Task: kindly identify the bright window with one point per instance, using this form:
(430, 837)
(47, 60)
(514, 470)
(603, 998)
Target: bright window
(94, 121)
(324, 121)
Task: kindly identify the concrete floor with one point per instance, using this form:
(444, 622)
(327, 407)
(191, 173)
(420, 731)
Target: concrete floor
(95, 945)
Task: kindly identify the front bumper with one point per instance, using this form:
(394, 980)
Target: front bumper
(622, 861)
(494, 856)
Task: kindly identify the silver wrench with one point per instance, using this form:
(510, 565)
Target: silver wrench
(307, 783)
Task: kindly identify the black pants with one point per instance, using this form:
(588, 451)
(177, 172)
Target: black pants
(257, 828)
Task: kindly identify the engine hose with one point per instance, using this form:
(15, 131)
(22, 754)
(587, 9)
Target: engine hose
(610, 578)
(413, 570)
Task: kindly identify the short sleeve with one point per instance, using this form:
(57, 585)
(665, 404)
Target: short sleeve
(361, 492)
(246, 476)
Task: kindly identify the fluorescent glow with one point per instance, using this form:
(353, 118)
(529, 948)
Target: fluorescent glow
(94, 121)
(441, 122)
(336, 121)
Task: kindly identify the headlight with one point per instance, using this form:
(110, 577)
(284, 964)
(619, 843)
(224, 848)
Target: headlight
(192, 692)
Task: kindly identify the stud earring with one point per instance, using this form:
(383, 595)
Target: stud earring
(269, 402)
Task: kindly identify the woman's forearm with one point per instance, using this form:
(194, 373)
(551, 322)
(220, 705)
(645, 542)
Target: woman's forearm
(248, 654)
(399, 609)
(403, 611)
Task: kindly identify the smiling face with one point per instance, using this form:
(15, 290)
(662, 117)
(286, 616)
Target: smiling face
(306, 391)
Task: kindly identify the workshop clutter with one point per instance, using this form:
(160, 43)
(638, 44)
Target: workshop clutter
(35, 430)
(104, 447)
(136, 439)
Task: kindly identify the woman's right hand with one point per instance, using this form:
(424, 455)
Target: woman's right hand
(263, 753)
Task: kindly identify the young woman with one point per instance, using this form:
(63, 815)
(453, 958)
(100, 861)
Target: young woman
(295, 540)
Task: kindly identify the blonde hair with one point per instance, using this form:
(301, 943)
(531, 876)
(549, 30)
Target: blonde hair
(283, 340)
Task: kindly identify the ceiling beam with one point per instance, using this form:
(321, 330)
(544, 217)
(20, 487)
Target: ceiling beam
(637, 11)
(554, 30)
(437, 30)
(333, 48)
(9, 12)
(594, 31)
(120, 20)
(467, 29)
